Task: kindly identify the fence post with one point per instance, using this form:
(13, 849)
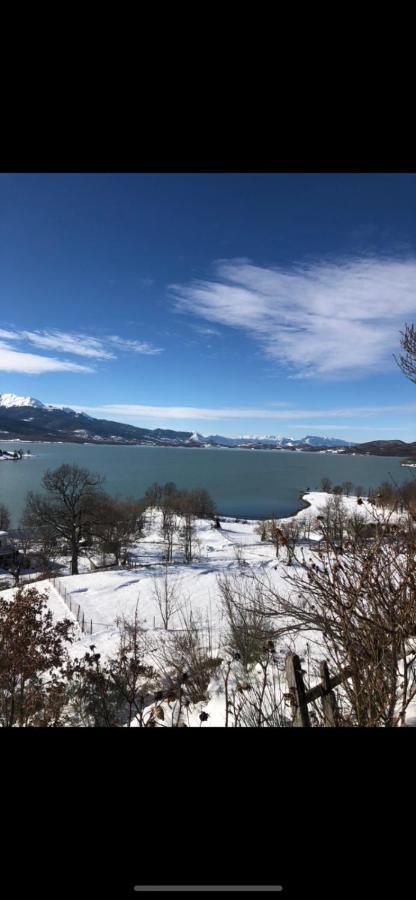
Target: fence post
(78, 612)
(83, 623)
(329, 702)
(91, 627)
(297, 691)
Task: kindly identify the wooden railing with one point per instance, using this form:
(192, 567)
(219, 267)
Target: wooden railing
(300, 697)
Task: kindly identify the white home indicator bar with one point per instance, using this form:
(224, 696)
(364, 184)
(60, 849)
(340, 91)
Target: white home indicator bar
(208, 887)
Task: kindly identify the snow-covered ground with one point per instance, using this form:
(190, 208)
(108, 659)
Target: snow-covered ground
(106, 596)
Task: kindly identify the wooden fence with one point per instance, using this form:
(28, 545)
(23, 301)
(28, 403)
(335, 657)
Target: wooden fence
(73, 606)
(86, 625)
(300, 697)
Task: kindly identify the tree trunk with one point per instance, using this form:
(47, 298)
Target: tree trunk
(74, 561)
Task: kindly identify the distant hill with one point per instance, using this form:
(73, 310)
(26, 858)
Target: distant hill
(268, 440)
(28, 419)
(383, 448)
(35, 421)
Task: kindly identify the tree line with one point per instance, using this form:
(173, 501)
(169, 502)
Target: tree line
(75, 515)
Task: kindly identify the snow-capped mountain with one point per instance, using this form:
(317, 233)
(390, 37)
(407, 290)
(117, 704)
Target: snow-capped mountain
(11, 400)
(315, 441)
(267, 440)
(66, 409)
(196, 437)
(26, 418)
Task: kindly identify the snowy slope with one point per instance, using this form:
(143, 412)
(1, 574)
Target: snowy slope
(10, 400)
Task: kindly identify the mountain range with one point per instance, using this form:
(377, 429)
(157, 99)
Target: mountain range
(28, 419)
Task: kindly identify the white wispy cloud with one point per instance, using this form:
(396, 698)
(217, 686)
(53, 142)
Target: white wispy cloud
(197, 412)
(319, 427)
(8, 335)
(206, 330)
(75, 344)
(33, 364)
(337, 319)
(62, 342)
(134, 346)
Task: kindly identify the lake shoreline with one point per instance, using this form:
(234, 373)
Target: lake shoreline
(252, 486)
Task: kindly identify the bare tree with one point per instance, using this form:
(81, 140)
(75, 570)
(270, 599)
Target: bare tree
(169, 528)
(270, 530)
(118, 524)
(326, 485)
(188, 530)
(253, 692)
(187, 504)
(47, 550)
(68, 509)
(113, 693)
(187, 662)
(152, 499)
(407, 360)
(135, 681)
(305, 525)
(361, 607)
(4, 518)
(153, 495)
(202, 504)
(290, 532)
(332, 521)
(22, 543)
(165, 593)
(248, 630)
(262, 529)
(258, 702)
(358, 530)
(190, 505)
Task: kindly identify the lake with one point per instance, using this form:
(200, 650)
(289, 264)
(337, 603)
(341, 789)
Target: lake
(243, 483)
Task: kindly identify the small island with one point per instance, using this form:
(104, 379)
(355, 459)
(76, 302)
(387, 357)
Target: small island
(13, 454)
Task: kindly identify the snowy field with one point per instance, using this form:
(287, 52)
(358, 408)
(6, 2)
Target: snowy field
(105, 596)
(235, 548)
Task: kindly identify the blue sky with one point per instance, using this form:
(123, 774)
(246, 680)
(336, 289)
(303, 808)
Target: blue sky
(225, 303)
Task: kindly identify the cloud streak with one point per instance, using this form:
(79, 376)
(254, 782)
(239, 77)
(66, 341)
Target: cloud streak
(195, 412)
(326, 320)
(33, 364)
(75, 344)
(68, 343)
(134, 346)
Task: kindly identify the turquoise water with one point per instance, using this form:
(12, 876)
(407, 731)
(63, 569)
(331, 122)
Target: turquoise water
(244, 483)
